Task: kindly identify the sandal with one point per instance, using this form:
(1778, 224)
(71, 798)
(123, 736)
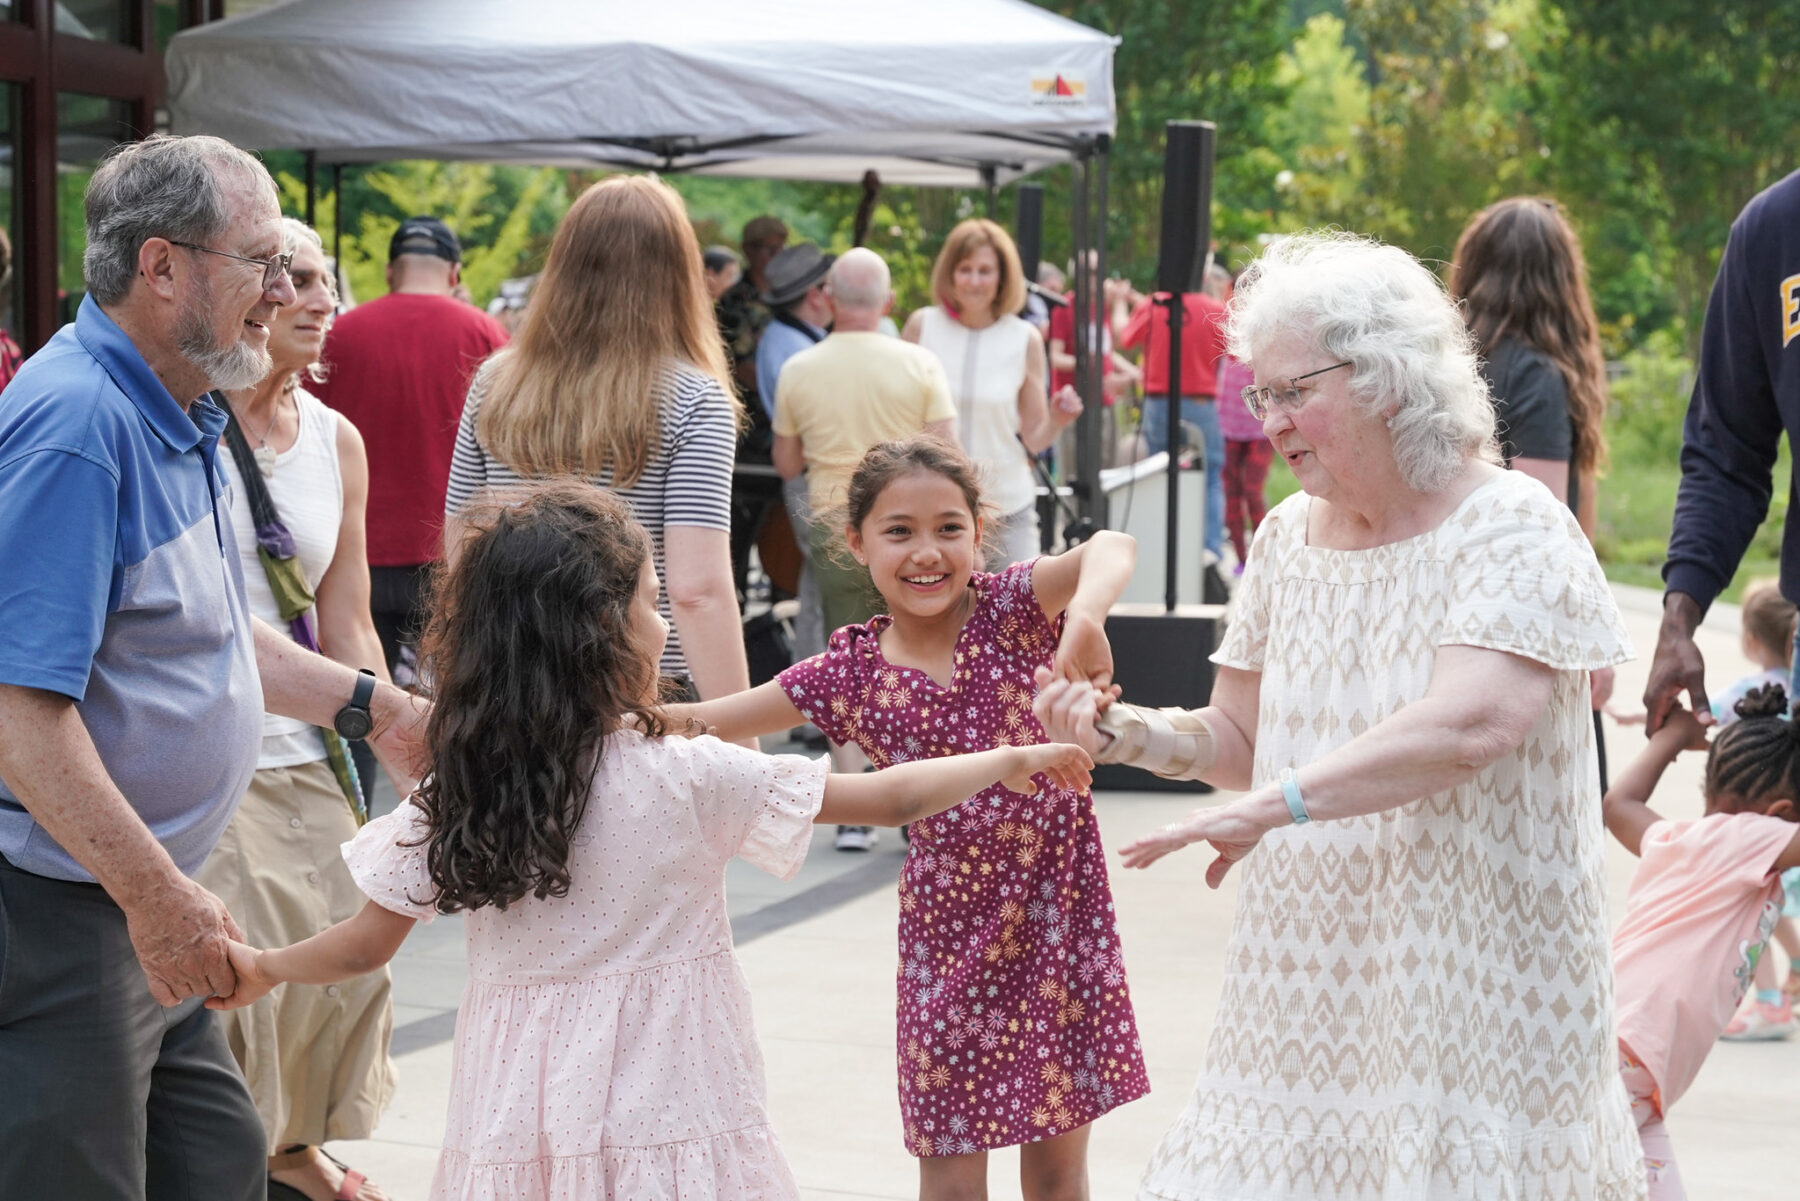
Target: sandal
(301, 1157)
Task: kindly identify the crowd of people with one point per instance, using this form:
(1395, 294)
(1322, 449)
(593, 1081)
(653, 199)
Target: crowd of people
(259, 546)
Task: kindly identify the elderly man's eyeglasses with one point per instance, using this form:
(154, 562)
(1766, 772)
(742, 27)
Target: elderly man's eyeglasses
(1286, 394)
(273, 269)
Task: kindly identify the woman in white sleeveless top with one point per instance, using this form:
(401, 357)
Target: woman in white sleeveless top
(995, 361)
(315, 1058)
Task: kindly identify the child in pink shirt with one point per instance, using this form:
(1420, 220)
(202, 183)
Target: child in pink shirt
(1702, 903)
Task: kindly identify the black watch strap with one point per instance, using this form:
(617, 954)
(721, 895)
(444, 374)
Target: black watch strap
(353, 720)
(365, 688)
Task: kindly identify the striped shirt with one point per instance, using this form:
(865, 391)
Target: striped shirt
(686, 482)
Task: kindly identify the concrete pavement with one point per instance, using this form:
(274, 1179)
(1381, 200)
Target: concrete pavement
(819, 954)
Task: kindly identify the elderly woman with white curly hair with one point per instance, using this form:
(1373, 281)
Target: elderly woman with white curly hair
(1418, 989)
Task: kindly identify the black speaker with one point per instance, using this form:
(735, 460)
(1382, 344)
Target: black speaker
(1161, 660)
(1186, 205)
(1028, 228)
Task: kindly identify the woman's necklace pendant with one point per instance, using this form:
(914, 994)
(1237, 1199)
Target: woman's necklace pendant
(265, 460)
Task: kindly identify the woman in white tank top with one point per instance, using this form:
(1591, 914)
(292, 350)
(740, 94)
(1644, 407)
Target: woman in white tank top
(995, 361)
(315, 1058)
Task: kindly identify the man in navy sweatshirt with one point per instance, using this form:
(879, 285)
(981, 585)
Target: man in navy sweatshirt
(1747, 392)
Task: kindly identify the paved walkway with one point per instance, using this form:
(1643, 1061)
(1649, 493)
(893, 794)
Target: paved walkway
(820, 958)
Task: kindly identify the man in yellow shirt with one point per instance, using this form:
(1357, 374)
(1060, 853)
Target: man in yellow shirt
(834, 401)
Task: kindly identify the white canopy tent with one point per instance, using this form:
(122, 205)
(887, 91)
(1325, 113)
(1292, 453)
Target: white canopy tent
(957, 93)
(944, 92)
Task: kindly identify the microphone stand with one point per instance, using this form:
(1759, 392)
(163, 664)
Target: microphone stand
(1076, 528)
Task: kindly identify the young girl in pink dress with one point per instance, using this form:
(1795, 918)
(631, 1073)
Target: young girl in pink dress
(604, 1042)
(1015, 1024)
(1705, 897)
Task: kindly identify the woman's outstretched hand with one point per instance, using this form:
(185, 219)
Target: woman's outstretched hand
(1232, 832)
(1069, 709)
(1067, 766)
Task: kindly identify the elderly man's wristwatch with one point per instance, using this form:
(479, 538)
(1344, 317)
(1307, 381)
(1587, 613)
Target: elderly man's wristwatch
(353, 720)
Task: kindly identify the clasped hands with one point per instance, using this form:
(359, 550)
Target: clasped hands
(1072, 695)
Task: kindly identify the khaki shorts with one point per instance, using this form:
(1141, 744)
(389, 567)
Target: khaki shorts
(847, 596)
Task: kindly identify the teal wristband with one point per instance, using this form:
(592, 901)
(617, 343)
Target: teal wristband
(1290, 792)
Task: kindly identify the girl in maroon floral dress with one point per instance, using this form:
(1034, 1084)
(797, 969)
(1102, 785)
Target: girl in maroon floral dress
(1015, 1024)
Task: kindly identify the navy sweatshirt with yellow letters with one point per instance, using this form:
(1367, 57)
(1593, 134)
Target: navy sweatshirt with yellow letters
(1746, 393)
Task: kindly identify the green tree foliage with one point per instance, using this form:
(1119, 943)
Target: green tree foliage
(504, 216)
(1652, 121)
(1675, 112)
(1447, 134)
(1317, 137)
(907, 227)
(1212, 60)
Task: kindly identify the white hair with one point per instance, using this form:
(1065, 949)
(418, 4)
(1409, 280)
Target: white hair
(1379, 308)
(860, 280)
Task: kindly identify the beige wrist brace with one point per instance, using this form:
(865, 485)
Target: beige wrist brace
(1174, 743)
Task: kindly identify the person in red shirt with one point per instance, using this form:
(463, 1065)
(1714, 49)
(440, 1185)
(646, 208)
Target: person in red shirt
(11, 357)
(399, 369)
(1202, 342)
(1118, 375)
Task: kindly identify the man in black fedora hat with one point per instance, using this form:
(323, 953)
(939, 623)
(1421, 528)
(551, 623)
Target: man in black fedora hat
(800, 311)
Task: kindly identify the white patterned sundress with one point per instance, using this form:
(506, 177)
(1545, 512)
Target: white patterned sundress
(1418, 1003)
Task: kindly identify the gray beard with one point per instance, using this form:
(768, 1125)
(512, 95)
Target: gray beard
(226, 368)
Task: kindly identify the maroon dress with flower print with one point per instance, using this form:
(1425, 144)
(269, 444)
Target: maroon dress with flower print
(1014, 1020)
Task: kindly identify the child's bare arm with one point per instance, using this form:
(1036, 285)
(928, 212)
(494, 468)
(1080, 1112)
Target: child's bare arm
(764, 709)
(907, 792)
(1093, 573)
(1084, 583)
(350, 948)
(1625, 805)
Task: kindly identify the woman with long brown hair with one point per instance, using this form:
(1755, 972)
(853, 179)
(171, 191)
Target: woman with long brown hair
(1522, 282)
(618, 375)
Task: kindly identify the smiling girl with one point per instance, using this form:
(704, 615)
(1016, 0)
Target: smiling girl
(1015, 1025)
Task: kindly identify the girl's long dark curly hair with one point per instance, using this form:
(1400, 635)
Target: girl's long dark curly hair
(533, 662)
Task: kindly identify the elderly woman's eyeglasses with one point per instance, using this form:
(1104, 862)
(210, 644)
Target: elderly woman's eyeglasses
(1285, 395)
(273, 269)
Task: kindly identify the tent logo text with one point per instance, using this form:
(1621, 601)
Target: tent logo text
(1051, 86)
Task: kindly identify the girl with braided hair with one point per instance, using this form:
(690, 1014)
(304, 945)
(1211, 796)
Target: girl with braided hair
(1702, 903)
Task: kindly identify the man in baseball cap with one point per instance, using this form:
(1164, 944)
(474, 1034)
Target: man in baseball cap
(424, 236)
(400, 370)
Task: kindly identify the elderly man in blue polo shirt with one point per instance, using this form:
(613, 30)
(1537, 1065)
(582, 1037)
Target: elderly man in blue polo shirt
(132, 683)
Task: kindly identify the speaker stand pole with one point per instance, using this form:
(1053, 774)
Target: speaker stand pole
(1176, 302)
(1088, 201)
